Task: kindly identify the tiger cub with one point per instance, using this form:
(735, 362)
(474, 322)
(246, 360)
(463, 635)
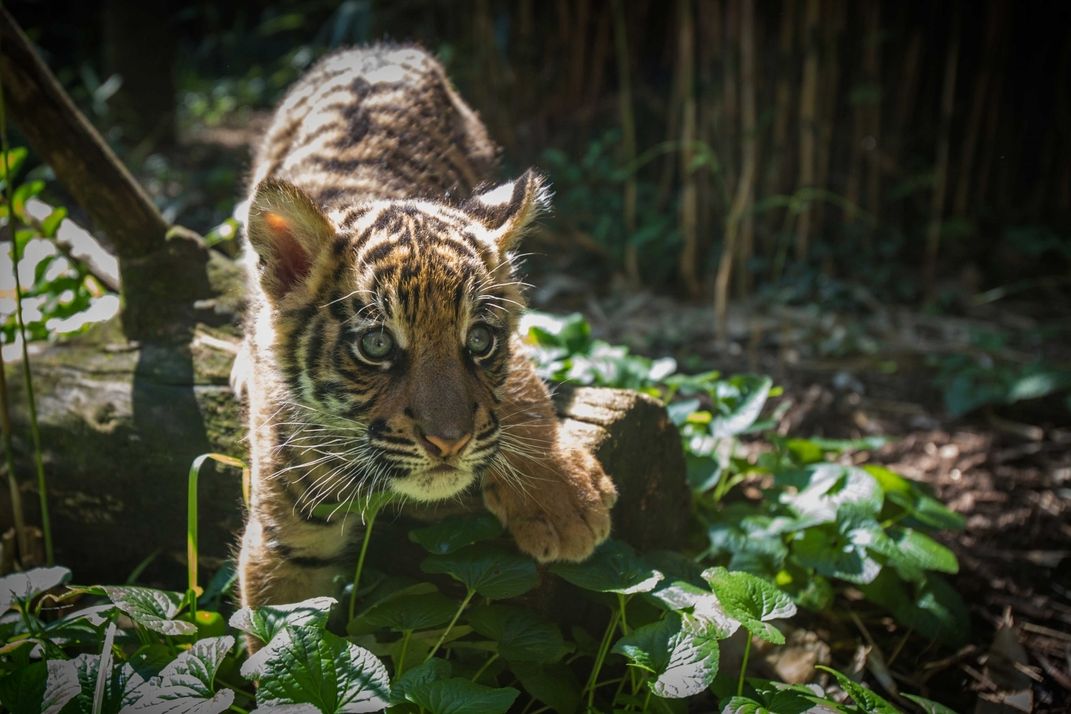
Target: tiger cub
(381, 341)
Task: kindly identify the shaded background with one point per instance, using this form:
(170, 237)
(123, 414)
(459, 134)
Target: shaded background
(910, 147)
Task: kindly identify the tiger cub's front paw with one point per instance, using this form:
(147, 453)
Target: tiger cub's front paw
(560, 513)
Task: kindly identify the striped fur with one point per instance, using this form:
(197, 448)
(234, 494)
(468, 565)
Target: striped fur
(364, 232)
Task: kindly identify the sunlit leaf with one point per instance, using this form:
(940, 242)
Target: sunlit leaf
(751, 600)
(680, 652)
(613, 567)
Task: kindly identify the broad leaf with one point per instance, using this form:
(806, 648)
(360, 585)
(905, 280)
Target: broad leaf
(824, 488)
(460, 696)
(915, 550)
(121, 686)
(680, 652)
(450, 534)
(152, 609)
(418, 678)
(553, 684)
(186, 686)
(751, 600)
(843, 555)
(908, 495)
(522, 635)
(24, 586)
(491, 569)
(684, 597)
(931, 606)
(864, 698)
(307, 665)
(264, 622)
(44, 687)
(614, 567)
(410, 612)
(744, 413)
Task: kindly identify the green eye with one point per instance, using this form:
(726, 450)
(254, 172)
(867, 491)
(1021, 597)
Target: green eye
(480, 341)
(376, 345)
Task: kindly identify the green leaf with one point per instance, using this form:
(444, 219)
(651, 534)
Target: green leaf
(522, 635)
(417, 678)
(265, 622)
(52, 222)
(824, 488)
(929, 706)
(152, 609)
(751, 600)
(910, 551)
(684, 597)
(681, 652)
(186, 686)
(745, 412)
(460, 696)
(491, 569)
(450, 534)
(121, 687)
(552, 684)
(15, 157)
(27, 585)
(306, 665)
(920, 506)
(24, 193)
(865, 699)
(838, 554)
(410, 612)
(931, 606)
(614, 567)
(43, 687)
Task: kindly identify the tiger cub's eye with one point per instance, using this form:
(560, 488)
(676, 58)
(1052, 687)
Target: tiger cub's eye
(480, 341)
(376, 345)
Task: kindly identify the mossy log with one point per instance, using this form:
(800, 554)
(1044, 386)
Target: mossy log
(122, 421)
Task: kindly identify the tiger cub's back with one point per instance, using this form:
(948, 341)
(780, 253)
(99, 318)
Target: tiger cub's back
(375, 123)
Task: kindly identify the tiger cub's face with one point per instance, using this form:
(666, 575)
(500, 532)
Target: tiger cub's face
(390, 326)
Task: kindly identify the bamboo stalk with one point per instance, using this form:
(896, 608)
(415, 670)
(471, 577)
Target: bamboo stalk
(779, 164)
(872, 63)
(808, 111)
(940, 181)
(746, 185)
(689, 255)
(628, 138)
(977, 111)
(827, 101)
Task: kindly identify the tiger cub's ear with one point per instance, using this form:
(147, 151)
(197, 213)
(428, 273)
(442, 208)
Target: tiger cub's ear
(287, 230)
(508, 209)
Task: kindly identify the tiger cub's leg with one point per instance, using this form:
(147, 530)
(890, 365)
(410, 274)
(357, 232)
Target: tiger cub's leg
(553, 496)
(290, 561)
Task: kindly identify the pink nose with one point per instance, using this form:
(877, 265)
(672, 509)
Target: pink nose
(440, 446)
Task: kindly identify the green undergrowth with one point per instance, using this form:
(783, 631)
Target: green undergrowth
(476, 628)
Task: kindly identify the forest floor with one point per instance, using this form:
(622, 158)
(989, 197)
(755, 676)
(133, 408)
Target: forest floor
(1007, 470)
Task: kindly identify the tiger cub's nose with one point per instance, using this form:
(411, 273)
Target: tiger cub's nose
(445, 445)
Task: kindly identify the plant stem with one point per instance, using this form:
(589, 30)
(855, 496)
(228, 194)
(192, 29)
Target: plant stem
(442, 638)
(600, 656)
(35, 433)
(481, 670)
(621, 603)
(369, 520)
(399, 667)
(743, 667)
(9, 455)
